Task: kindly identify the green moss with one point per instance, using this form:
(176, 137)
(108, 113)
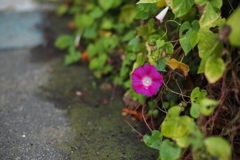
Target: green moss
(96, 129)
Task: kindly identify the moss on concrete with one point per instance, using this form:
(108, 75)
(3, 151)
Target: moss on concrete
(96, 127)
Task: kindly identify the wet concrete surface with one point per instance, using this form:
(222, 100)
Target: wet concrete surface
(50, 111)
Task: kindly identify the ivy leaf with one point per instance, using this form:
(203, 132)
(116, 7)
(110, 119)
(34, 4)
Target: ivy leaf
(234, 23)
(72, 56)
(92, 50)
(106, 23)
(108, 4)
(216, 4)
(206, 35)
(62, 9)
(97, 12)
(153, 141)
(188, 35)
(129, 35)
(215, 52)
(175, 127)
(160, 43)
(146, 10)
(151, 26)
(169, 48)
(98, 62)
(83, 20)
(174, 111)
(161, 65)
(148, 1)
(90, 32)
(64, 41)
(142, 31)
(128, 12)
(133, 45)
(209, 15)
(196, 96)
(180, 7)
(218, 147)
(214, 69)
(208, 106)
(183, 141)
(169, 150)
(139, 61)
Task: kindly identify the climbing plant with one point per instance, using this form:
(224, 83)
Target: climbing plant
(178, 61)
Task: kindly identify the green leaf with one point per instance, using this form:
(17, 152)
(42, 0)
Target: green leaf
(174, 111)
(216, 4)
(153, 141)
(61, 9)
(206, 35)
(168, 48)
(214, 69)
(148, 1)
(139, 61)
(188, 35)
(183, 141)
(180, 7)
(107, 23)
(127, 14)
(161, 65)
(153, 112)
(211, 11)
(134, 45)
(215, 52)
(107, 68)
(83, 20)
(169, 150)
(72, 56)
(142, 31)
(207, 106)
(146, 10)
(129, 35)
(64, 41)
(175, 127)
(234, 23)
(160, 43)
(92, 50)
(195, 110)
(108, 4)
(218, 147)
(165, 105)
(209, 15)
(90, 32)
(98, 62)
(124, 71)
(196, 96)
(97, 12)
(109, 43)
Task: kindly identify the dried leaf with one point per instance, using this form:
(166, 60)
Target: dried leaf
(178, 67)
(84, 56)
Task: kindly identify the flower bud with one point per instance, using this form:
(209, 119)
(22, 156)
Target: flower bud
(162, 14)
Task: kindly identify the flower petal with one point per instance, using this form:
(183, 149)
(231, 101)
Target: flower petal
(147, 71)
(162, 14)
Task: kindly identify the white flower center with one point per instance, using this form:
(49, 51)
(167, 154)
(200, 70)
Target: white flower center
(147, 81)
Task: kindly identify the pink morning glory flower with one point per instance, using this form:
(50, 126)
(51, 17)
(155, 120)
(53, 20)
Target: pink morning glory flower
(162, 14)
(146, 80)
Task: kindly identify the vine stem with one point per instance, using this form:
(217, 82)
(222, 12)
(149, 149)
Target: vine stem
(132, 127)
(174, 91)
(144, 119)
(166, 26)
(179, 89)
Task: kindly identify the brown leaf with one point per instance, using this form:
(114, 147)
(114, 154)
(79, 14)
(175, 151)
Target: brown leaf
(178, 67)
(84, 56)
